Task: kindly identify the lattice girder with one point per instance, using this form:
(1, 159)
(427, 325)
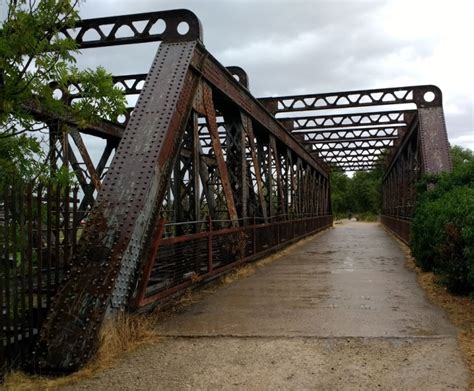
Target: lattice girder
(184, 79)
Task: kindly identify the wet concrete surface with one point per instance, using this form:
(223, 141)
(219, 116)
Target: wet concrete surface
(340, 311)
(351, 281)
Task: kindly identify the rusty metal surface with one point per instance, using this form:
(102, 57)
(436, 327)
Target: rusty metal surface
(136, 28)
(422, 149)
(115, 236)
(216, 75)
(400, 228)
(240, 75)
(347, 99)
(434, 140)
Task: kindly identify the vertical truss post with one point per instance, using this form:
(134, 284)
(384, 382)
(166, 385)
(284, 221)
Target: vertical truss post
(277, 161)
(433, 135)
(216, 145)
(269, 169)
(196, 157)
(247, 123)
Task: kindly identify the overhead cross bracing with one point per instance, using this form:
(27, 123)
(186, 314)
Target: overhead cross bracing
(363, 125)
(334, 117)
(343, 128)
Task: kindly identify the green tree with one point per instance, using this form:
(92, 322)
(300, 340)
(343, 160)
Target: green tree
(360, 194)
(461, 156)
(340, 183)
(34, 54)
(365, 192)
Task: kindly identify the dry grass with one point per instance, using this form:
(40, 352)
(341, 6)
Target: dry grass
(460, 310)
(119, 335)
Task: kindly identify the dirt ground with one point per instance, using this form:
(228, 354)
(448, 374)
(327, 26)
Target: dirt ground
(339, 312)
(460, 310)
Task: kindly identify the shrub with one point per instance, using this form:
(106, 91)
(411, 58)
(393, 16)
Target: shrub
(442, 237)
(367, 217)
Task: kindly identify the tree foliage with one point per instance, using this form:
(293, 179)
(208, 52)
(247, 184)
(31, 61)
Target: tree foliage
(37, 60)
(359, 194)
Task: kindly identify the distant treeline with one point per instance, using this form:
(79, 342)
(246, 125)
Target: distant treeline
(359, 196)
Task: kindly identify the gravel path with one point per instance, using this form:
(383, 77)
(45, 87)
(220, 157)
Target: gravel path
(340, 312)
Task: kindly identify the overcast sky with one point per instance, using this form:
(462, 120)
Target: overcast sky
(296, 47)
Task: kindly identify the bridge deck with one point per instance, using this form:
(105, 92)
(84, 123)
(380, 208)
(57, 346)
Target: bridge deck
(339, 311)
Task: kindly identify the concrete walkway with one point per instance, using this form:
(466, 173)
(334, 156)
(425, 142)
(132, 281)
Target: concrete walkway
(339, 312)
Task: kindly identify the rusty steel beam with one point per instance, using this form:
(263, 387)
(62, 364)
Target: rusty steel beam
(132, 84)
(350, 99)
(176, 25)
(85, 155)
(352, 139)
(377, 145)
(216, 144)
(116, 234)
(344, 120)
(102, 128)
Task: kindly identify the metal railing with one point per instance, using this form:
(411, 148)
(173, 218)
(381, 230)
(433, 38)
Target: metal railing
(176, 263)
(399, 227)
(39, 229)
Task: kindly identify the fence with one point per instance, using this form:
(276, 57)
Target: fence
(399, 227)
(178, 262)
(39, 229)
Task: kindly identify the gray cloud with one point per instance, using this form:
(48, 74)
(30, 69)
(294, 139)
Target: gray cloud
(294, 46)
(291, 47)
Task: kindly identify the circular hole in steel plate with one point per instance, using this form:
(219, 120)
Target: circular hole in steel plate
(429, 96)
(183, 28)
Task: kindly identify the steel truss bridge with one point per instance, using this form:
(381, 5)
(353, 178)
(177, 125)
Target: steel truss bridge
(205, 176)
